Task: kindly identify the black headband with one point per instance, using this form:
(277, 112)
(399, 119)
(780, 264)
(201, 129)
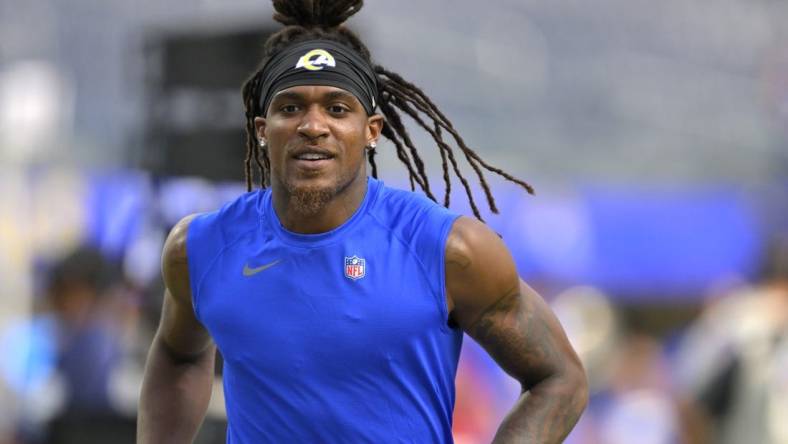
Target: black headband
(320, 62)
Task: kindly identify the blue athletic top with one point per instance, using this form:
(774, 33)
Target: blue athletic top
(334, 337)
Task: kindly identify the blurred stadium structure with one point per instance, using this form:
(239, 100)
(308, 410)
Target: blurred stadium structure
(656, 134)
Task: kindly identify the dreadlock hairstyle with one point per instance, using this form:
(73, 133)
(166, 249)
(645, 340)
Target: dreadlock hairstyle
(322, 19)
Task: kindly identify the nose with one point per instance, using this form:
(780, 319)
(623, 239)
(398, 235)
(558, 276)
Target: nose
(313, 124)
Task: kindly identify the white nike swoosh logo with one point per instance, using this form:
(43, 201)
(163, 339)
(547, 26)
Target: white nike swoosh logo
(253, 271)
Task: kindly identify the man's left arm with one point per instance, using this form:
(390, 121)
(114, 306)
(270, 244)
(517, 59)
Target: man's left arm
(490, 302)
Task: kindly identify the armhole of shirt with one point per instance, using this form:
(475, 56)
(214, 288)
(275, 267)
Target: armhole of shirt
(212, 238)
(207, 239)
(195, 231)
(443, 237)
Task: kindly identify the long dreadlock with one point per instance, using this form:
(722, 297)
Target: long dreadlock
(322, 19)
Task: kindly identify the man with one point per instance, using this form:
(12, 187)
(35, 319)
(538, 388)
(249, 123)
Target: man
(339, 303)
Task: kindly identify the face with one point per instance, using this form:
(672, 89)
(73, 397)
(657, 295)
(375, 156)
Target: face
(316, 137)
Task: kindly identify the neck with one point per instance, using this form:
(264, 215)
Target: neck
(333, 213)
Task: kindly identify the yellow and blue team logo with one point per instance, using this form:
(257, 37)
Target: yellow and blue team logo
(316, 59)
(355, 267)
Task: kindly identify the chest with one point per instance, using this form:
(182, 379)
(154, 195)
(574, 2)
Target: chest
(264, 301)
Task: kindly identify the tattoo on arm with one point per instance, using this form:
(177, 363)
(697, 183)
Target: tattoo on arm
(523, 343)
(510, 327)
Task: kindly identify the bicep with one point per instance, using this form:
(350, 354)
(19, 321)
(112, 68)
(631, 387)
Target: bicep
(500, 311)
(179, 330)
(522, 334)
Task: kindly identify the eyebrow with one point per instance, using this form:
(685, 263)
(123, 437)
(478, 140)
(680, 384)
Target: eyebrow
(287, 95)
(333, 95)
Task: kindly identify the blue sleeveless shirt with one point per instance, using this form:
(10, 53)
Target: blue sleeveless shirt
(334, 337)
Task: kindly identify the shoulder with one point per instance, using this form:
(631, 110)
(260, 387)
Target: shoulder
(197, 238)
(470, 239)
(238, 213)
(472, 246)
(417, 221)
(174, 258)
(401, 198)
(408, 211)
(217, 228)
(479, 266)
(174, 251)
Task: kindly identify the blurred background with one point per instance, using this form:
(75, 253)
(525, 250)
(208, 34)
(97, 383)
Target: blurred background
(655, 134)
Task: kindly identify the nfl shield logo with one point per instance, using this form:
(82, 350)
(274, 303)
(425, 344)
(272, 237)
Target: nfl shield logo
(355, 267)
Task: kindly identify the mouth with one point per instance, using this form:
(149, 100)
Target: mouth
(312, 158)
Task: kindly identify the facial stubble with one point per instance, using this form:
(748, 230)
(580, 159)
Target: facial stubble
(309, 200)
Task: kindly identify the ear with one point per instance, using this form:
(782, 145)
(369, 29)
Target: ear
(259, 127)
(375, 124)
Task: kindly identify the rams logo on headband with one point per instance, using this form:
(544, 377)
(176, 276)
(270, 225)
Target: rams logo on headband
(315, 60)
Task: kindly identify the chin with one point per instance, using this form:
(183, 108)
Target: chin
(309, 200)
(308, 197)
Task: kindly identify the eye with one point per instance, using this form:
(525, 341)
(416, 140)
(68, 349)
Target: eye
(288, 109)
(338, 109)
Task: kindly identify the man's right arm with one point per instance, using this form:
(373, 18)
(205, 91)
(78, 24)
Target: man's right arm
(176, 388)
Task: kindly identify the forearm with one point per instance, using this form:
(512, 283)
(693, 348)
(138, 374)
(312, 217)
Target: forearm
(175, 395)
(546, 413)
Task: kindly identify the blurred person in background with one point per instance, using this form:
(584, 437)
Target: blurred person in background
(90, 349)
(636, 405)
(734, 358)
(319, 349)
(62, 361)
(87, 340)
(632, 392)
